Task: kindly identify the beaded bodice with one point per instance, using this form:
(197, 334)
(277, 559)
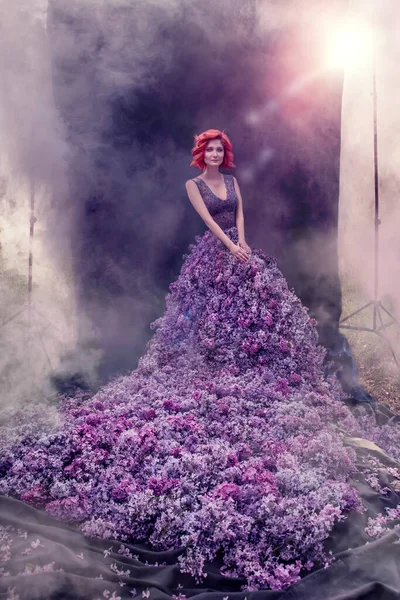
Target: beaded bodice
(222, 211)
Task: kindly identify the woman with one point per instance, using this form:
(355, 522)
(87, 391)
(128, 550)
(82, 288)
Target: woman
(213, 150)
(226, 442)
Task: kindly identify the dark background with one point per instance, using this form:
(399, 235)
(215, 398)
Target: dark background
(133, 83)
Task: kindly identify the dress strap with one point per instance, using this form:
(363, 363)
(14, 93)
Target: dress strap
(229, 182)
(200, 184)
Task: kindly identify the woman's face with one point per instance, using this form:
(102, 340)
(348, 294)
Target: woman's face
(214, 153)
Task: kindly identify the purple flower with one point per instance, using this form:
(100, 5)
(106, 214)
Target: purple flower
(98, 405)
(295, 379)
(227, 440)
(228, 490)
(121, 492)
(171, 405)
(283, 345)
(282, 386)
(268, 320)
(149, 414)
(232, 459)
(74, 509)
(94, 419)
(36, 495)
(161, 485)
(176, 451)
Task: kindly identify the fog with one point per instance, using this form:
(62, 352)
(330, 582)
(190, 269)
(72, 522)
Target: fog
(357, 191)
(99, 103)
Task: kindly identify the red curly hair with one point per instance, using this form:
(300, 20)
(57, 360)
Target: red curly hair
(201, 142)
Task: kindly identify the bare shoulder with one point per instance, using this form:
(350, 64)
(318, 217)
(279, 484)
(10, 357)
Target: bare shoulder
(190, 183)
(192, 189)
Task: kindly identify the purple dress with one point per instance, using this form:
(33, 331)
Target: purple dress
(222, 211)
(205, 437)
(225, 312)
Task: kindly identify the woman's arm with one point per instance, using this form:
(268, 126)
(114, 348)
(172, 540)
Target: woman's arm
(199, 206)
(240, 217)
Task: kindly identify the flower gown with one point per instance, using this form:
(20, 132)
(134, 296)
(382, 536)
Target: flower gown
(226, 442)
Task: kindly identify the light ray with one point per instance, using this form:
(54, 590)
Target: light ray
(349, 46)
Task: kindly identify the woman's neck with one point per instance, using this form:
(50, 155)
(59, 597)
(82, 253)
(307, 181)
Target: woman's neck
(212, 173)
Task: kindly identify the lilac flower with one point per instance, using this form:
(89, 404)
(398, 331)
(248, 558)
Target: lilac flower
(161, 485)
(149, 414)
(108, 552)
(125, 551)
(176, 451)
(295, 379)
(281, 385)
(283, 345)
(36, 495)
(378, 526)
(228, 490)
(226, 441)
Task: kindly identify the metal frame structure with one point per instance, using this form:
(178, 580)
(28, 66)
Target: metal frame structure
(30, 306)
(379, 311)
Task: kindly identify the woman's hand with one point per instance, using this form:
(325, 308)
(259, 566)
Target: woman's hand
(239, 253)
(245, 247)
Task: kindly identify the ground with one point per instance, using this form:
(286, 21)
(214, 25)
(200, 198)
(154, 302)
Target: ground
(379, 374)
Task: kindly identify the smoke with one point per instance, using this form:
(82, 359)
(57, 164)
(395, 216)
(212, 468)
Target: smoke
(44, 161)
(121, 85)
(99, 106)
(357, 192)
(33, 155)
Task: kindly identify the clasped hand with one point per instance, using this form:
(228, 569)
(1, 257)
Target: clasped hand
(240, 251)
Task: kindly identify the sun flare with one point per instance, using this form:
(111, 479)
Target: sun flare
(350, 45)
